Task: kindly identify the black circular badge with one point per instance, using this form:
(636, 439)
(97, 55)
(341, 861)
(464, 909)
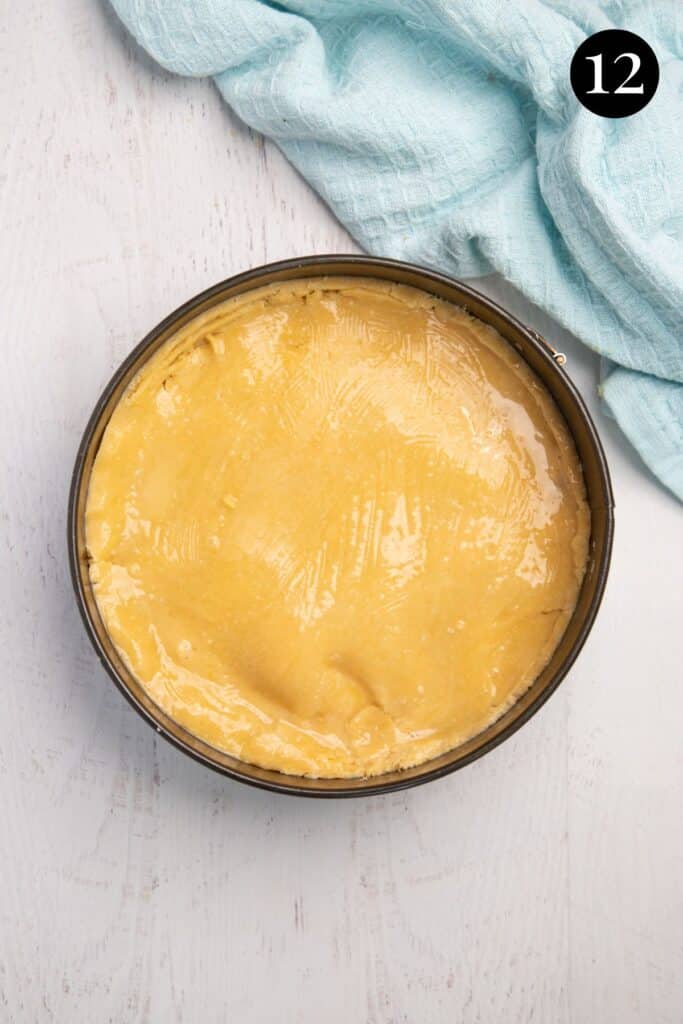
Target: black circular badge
(614, 73)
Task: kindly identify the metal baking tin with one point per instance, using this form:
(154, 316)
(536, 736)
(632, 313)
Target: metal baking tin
(548, 366)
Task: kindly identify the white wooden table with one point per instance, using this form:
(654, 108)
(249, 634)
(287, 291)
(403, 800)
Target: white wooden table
(544, 883)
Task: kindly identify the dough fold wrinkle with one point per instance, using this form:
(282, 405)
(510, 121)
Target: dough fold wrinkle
(336, 527)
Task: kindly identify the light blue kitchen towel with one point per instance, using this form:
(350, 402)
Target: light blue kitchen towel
(445, 132)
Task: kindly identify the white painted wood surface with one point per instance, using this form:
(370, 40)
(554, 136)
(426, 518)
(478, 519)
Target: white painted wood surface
(542, 884)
